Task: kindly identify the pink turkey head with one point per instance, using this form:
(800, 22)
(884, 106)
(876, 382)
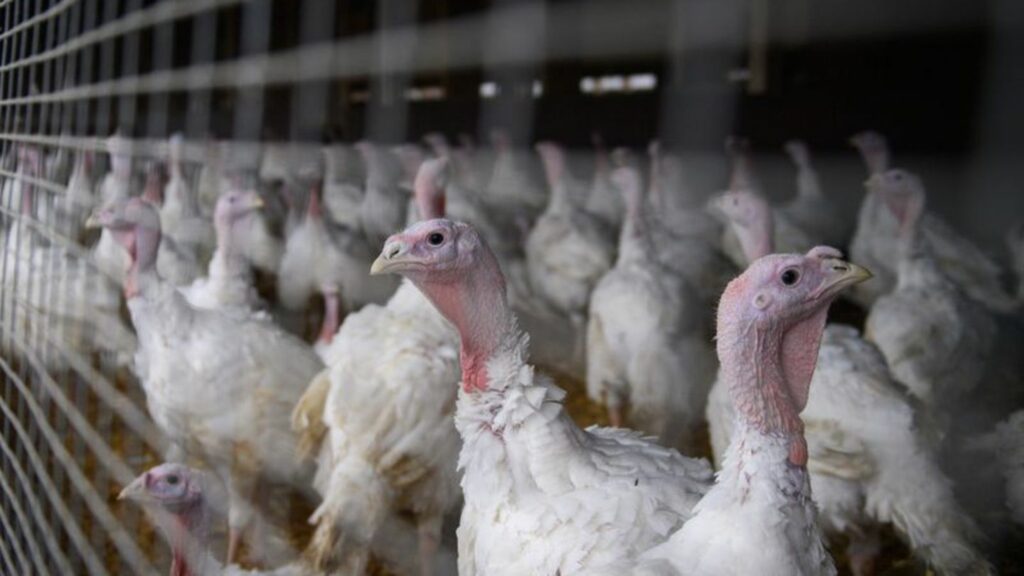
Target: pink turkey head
(770, 323)
(873, 148)
(626, 177)
(451, 264)
(428, 189)
(135, 224)
(172, 496)
(170, 486)
(751, 219)
(904, 194)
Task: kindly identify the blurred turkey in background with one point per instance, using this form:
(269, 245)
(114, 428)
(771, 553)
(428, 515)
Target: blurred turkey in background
(193, 193)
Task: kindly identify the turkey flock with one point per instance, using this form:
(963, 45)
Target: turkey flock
(354, 322)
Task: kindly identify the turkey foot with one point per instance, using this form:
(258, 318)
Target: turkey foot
(863, 551)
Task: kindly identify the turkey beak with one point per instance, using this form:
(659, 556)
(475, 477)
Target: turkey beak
(136, 491)
(841, 274)
(391, 259)
(95, 220)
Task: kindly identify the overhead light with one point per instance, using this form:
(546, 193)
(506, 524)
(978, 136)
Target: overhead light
(422, 93)
(488, 89)
(537, 89)
(612, 83)
(641, 82)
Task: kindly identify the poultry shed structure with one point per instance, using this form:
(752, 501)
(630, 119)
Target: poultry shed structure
(463, 287)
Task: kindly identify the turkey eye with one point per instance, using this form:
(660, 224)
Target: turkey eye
(435, 239)
(790, 277)
(172, 480)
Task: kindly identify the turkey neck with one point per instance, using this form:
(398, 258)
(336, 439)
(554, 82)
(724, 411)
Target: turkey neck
(143, 244)
(186, 532)
(634, 242)
(768, 380)
(757, 239)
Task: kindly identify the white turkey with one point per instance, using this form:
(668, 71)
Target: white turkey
(604, 200)
(1006, 445)
(220, 386)
(568, 250)
(180, 215)
(513, 188)
(759, 518)
(321, 257)
(871, 461)
(877, 239)
(686, 235)
(343, 187)
(541, 495)
(384, 201)
(647, 347)
(80, 197)
(747, 210)
(744, 205)
(178, 263)
(381, 413)
(812, 210)
(936, 340)
(183, 503)
(55, 302)
(228, 284)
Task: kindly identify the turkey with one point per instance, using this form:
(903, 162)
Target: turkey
(181, 502)
(384, 202)
(220, 386)
(647, 348)
(687, 236)
(176, 499)
(80, 197)
(116, 185)
(177, 263)
(759, 517)
(812, 210)
(513, 188)
(541, 495)
(936, 340)
(877, 238)
(343, 192)
(744, 205)
(228, 283)
(332, 260)
(463, 201)
(381, 415)
(55, 302)
(1006, 444)
(869, 244)
(747, 210)
(568, 250)
(604, 201)
(180, 215)
(870, 461)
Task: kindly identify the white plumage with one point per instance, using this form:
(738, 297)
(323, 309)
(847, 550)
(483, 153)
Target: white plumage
(220, 386)
(541, 495)
(647, 347)
(568, 250)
